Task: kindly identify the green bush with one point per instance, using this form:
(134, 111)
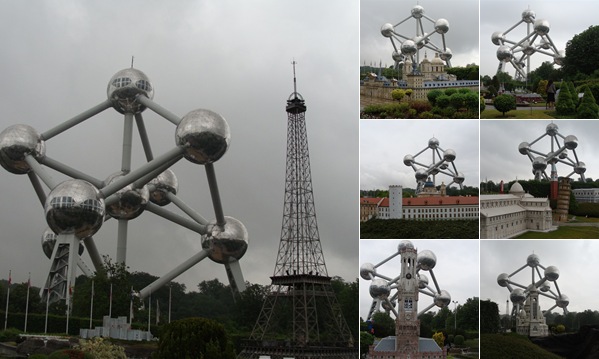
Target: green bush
(398, 94)
(457, 100)
(588, 106)
(442, 101)
(432, 96)
(9, 335)
(448, 112)
(450, 91)
(504, 103)
(70, 354)
(102, 349)
(458, 340)
(564, 105)
(421, 106)
(426, 115)
(482, 104)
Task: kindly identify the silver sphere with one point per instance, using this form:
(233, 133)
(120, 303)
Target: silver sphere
(562, 301)
(408, 160)
(433, 143)
(551, 129)
(545, 288)
(539, 164)
(434, 171)
(164, 183)
(131, 201)
(544, 44)
(571, 142)
(580, 168)
(503, 279)
(560, 58)
(422, 281)
(397, 56)
(16, 142)
(527, 48)
(563, 155)
(504, 53)
(75, 207)
(426, 260)
(444, 166)
(442, 26)
(49, 241)
(552, 158)
(523, 148)
(517, 296)
(421, 174)
(442, 299)
(420, 41)
(403, 245)
(446, 54)
(367, 271)
(541, 27)
(417, 12)
(225, 243)
(379, 289)
(551, 273)
(459, 178)
(387, 30)
(497, 38)
(528, 16)
(533, 260)
(409, 48)
(204, 135)
(449, 155)
(125, 86)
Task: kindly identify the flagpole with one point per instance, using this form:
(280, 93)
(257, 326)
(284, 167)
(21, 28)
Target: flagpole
(157, 312)
(131, 306)
(7, 299)
(91, 306)
(169, 302)
(27, 303)
(110, 306)
(149, 308)
(47, 305)
(69, 306)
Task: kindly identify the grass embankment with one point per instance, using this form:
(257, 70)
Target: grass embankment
(406, 228)
(491, 113)
(564, 232)
(502, 346)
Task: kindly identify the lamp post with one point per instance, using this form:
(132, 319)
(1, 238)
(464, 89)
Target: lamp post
(455, 315)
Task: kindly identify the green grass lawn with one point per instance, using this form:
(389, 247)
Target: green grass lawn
(581, 219)
(491, 113)
(500, 346)
(564, 232)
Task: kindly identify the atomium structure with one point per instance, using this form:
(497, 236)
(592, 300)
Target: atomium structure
(558, 154)
(518, 52)
(442, 162)
(525, 298)
(410, 46)
(76, 208)
(386, 291)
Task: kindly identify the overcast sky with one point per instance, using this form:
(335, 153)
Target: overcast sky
(499, 141)
(462, 37)
(565, 18)
(383, 145)
(457, 268)
(575, 259)
(232, 57)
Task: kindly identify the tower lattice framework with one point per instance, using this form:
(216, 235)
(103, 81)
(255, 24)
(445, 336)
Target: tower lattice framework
(300, 282)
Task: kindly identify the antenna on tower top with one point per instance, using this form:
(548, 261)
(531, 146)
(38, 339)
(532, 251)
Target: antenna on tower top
(294, 81)
(132, 57)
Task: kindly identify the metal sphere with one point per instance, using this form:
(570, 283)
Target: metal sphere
(442, 299)
(563, 155)
(75, 207)
(560, 58)
(388, 305)
(562, 301)
(131, 201)
(387, 30)
(571, 142)
(517, 296)
(421, 174)
(16, 142)
(580, 168)
(417, 12)
(523, 148)
(403, 245)
(497, 38)
(544, 44)
(446, 54)
(422, 281)
(528, 16)
(459, 178)
(125, 86)
(225, 243)
(433, 143)
(409, 48)
(49, 241)
(397, 56)
(444, 166)
(426, 260)
(164, 183)
(408, 160)
(420, 41)
(204, 135)
(545, 288)
(433, 171)
(367, 271)
(527, 48)
(541, 27)
(442, 26)
(551, 273)
(379, 289)
(551, 129)
(449, 155)
(533, 260)
(503, 279)
(552, 158)
(504, 53)
(539, 164)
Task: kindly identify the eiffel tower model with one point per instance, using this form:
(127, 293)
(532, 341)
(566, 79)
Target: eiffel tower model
(300, 317)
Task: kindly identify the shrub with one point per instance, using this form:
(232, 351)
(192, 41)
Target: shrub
(432, 96)
(450, 91)
(482, 104)
(442, 101)
(426, 115)
(472, 101)
(588, 107)
(564, 105)
(421, 106)
(10, 335)
(398, 94)
(409, 92)
(102, 349)
(457, 100)
(458, 340)
(69, 354)
(448, 112)
(504, 103)
(464, 91)
(439, 338)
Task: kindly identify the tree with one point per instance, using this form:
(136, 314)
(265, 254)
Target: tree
(439, 337)
(583, 53)
(468, 314)
(432, 96)
(366, 340)
(398, 94)
(542, 88)
(489, 317)
(383, 325)
(504, 103)
(457, 100)
(482, 104)
(588, 107)
(565, 105)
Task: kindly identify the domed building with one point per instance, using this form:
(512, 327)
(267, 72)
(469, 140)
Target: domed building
(511, 214)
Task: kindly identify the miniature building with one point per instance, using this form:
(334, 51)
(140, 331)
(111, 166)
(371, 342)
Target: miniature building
(116, 328)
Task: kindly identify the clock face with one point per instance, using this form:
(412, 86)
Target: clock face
(409, 276)
(408, 316)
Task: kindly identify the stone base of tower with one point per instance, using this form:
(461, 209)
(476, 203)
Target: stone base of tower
(534, 329)
(386, 349)
(284, 349)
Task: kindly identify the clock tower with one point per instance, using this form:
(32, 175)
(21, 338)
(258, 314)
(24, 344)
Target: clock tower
(407, 325)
